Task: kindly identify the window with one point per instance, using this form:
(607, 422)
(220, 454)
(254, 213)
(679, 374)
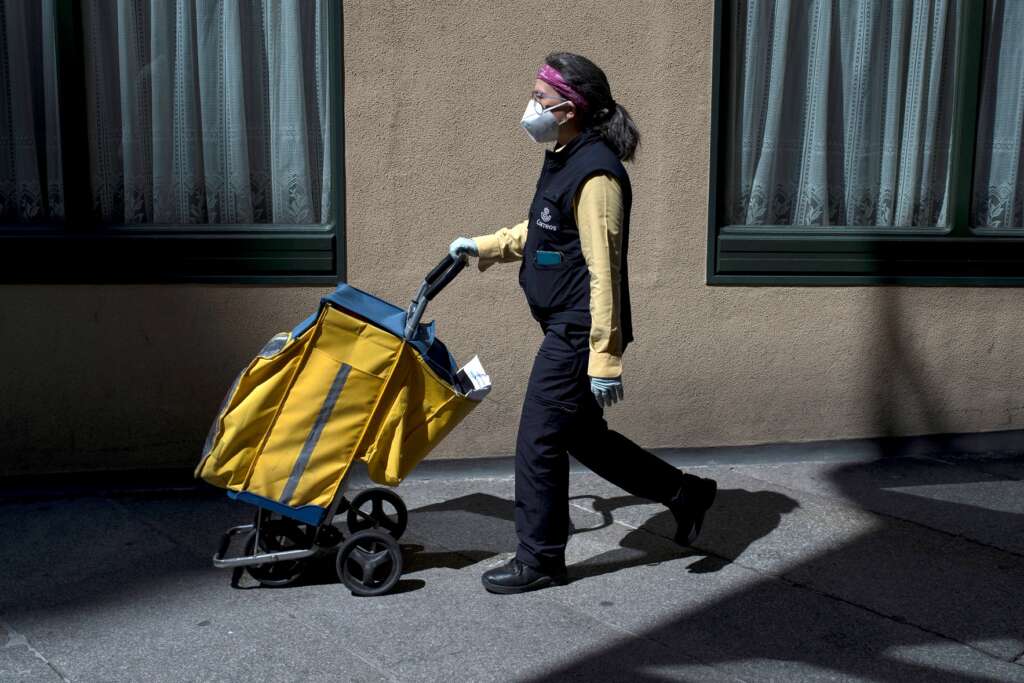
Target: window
(867, 141)
(171, 140)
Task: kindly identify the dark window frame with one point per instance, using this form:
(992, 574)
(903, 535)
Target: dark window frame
(81, 251)
(783, 255)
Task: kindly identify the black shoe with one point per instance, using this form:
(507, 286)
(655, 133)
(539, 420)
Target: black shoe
(688, 507)
(516, 577)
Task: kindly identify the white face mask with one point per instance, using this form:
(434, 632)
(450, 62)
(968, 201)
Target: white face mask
(540, 123)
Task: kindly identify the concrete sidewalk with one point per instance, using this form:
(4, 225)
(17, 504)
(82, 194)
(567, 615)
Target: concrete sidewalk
(827, 565)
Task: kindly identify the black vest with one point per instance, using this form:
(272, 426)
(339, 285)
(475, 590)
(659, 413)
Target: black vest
(560, 292)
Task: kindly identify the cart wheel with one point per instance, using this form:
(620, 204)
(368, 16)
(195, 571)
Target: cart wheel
(369, 510)
(369, 563)
(277, 535)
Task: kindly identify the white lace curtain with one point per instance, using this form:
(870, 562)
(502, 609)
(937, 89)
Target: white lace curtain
(31, 189)
(998, 173)
(208, 111)
(198, 111)
(841, 111)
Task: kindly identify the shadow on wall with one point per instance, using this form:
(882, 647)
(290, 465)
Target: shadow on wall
(901, 389)
(139, 381)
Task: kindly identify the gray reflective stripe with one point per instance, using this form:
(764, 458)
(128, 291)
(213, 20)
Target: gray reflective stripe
(314, 435)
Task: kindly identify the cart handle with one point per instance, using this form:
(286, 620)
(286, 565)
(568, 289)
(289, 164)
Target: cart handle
(442, 275)
(437, 279)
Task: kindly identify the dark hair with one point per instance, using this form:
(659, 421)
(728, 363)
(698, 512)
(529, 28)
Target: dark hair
(603, 113)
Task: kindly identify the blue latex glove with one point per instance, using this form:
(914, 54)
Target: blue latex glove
(607, 391)
(461, 246)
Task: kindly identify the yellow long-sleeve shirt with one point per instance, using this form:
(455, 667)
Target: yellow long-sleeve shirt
(598, 211)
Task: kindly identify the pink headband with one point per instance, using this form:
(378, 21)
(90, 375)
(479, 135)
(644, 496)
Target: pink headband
(550, 75)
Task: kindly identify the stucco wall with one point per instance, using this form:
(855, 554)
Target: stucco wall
(121, 377)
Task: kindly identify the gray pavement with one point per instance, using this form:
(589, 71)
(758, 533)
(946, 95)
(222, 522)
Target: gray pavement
(816, 563)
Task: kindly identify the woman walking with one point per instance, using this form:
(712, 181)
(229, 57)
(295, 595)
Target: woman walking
(573, 270)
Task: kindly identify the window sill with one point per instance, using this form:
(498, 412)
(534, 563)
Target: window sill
(772, 257)
(137, 255)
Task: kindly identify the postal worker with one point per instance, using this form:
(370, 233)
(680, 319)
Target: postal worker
(573, 270)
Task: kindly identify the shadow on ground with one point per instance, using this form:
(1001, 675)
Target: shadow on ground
(931, 590)
(87, 549)
(879, 603)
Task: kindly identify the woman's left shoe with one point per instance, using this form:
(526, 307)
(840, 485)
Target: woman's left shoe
(689, 506)
(516, 577)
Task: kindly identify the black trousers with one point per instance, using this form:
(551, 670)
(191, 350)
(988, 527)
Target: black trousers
(560, 418)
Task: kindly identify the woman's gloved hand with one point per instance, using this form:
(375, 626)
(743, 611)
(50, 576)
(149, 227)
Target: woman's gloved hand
(461, 246)
(607, 391)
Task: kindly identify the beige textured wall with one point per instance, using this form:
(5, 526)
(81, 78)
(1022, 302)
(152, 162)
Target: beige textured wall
(121, 377)
(435, 92)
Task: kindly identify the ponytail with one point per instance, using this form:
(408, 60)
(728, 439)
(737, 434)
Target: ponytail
(606, 116)
(619, 131)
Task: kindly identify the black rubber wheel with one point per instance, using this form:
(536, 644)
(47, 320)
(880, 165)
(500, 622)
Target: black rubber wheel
(369, 510)
(369, 563)
(276, 535)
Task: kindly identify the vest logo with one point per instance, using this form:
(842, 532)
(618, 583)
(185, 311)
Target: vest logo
(543, 221)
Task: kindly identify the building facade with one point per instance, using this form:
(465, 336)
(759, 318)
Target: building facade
(128, 374)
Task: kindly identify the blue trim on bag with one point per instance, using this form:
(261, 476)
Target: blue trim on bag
(304, 325)
(390, 318)
(377, 311)
(308, 514)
